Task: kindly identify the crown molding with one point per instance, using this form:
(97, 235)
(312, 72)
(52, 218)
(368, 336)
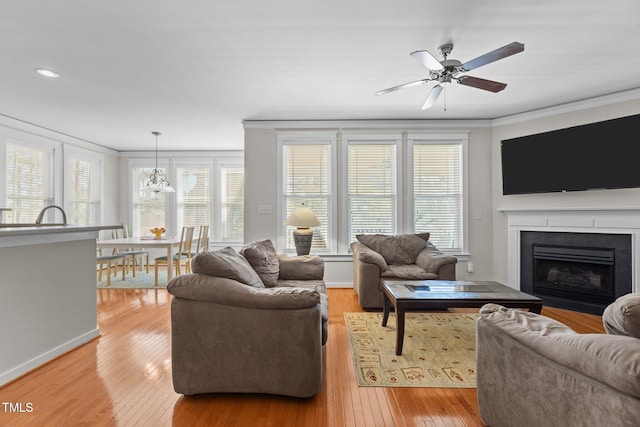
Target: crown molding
(585, 104)
(14, 127)
(341, 125)
(204, 155)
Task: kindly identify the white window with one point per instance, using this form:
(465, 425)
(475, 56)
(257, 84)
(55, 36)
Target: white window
(306, 179)
(388, 183)
(208, 192)
(372, 187)
(29, 181)
(438, 192)
(82, 187)
(232, 201)
(193, 196)
(148, 206)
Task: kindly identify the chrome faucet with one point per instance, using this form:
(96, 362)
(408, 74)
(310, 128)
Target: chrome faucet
(41, 215)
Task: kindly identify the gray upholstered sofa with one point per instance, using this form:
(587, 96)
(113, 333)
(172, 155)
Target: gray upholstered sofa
(378, 257)
(534, 371)
(253, 322)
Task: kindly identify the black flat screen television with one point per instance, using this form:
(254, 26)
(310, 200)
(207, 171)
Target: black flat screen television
(600, 155)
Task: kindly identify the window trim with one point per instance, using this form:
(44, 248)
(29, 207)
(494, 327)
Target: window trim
(442, 138)
(172, 170)
(140, 163)
(53, 148)
(214, 162)
(307, 138)
(216, 227)
(339, 141)
(358, 138)
(70, 152)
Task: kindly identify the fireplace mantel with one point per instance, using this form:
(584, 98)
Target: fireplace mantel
(620, 220)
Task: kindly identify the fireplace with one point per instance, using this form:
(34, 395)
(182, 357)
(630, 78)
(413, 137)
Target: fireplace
(578, 271)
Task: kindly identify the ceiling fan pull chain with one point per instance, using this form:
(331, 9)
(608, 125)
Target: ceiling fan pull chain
(445, 98)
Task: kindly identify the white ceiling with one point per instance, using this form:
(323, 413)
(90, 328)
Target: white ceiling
(194, 69)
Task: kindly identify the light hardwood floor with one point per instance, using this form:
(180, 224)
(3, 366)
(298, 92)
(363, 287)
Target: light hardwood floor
(123, 378)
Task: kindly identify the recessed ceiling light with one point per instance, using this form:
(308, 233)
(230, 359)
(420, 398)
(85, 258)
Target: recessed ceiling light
(47, 73)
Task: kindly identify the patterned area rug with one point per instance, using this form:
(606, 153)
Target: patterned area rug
(439, 350)
(141, 281)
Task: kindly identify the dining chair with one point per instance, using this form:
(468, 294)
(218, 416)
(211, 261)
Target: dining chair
(202, 246)
(109, 261)
(182, 256)
(203, 240)
(132, 253)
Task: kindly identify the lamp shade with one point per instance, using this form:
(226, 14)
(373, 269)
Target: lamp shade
(303, 217)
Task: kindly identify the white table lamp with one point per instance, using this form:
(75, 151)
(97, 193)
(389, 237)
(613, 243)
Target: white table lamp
(302, 218)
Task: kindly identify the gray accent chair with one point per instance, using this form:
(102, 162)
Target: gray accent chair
(378, 257)
(535, 371)
(232, 334)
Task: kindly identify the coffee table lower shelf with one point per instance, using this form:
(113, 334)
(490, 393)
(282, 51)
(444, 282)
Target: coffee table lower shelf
(407, 295)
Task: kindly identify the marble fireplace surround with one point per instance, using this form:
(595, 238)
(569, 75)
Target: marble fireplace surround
(576, 220)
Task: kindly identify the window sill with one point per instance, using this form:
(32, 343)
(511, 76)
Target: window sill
(348, 257)
(336, 257)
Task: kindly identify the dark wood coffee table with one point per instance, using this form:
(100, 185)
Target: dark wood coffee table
(440, 295)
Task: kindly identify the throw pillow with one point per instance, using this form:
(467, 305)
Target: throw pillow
(226, 263)
(622, 317)
(399, 249)
(303, 267)
(423, 236)
(263, 258)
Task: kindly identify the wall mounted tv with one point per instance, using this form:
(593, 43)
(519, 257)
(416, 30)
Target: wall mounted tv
(599, 155)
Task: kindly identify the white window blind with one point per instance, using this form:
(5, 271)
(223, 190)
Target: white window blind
(29, 180)
(437, 192)
(82, 191)
(371, 189)
(387, 183)
(193, 196)
(232, 203)
(148, 206)
(306, 180)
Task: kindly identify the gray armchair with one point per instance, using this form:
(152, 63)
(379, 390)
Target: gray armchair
(378, 257)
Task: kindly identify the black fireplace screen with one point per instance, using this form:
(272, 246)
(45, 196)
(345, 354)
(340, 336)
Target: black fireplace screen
(577, 273)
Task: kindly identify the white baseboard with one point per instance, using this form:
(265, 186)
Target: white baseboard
(339, 285)
(47, 356)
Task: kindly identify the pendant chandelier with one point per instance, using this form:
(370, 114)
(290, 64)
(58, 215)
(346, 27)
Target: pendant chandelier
(157, 181)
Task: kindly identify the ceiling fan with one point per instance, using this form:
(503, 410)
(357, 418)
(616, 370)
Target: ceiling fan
(451, 69)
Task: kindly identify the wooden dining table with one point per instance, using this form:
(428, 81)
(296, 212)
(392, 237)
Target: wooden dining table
(171, 244)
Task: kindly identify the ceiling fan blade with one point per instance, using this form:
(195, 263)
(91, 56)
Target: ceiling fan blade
(433, 97)
(403, 86)
(427, 59)
(479, 83)
(502, 52)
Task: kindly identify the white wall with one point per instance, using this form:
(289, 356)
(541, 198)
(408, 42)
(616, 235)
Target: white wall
(110, 190)
(556, 118)
(261, 187)
(260, 184)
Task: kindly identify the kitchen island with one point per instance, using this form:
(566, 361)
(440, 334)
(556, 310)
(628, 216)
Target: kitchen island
(47, 293)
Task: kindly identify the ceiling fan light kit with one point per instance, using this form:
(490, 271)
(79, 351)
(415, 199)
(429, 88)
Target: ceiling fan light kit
(447, 70)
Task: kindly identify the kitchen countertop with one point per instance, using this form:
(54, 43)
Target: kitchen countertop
(35, 229)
